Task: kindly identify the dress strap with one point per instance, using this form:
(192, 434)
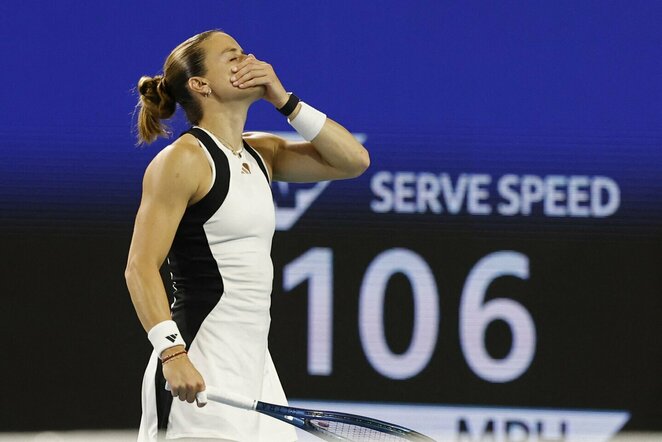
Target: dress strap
(258, 159)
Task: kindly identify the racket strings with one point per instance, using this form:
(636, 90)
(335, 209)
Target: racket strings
(355, 433)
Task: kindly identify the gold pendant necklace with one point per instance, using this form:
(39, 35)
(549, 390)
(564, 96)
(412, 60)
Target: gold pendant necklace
(235, 152)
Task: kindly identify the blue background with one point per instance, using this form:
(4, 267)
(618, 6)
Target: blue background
(484, 87)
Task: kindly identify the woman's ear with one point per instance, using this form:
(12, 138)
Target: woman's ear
(199, 85)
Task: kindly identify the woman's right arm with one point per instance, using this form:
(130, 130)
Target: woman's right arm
(171, 182)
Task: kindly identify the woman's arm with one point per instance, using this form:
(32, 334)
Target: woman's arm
(332, 154)
(172, 181)
(168, 186)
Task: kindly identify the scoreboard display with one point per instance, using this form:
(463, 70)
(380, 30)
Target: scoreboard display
(472, 272)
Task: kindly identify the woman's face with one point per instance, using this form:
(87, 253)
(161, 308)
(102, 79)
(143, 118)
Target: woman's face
(222, 53)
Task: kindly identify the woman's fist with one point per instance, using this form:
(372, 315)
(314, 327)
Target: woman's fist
(183, 380)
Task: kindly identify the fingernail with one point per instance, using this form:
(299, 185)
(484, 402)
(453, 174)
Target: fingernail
(234, 69)
(232, 78)
(235, 83)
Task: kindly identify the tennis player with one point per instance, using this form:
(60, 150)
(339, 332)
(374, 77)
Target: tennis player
(207, 206)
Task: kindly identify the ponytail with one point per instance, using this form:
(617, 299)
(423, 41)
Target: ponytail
(159, 98)
(156, 104)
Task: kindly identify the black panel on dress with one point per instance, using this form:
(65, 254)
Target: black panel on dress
(196, 279)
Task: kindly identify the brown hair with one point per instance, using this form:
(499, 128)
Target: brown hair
(160, 94)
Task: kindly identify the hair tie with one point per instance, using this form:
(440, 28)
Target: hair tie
(164, 86)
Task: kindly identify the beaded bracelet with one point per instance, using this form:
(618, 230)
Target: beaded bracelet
(173, 356)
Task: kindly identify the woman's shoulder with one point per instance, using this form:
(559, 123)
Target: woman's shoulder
(257, 135)
(262, 140)
(184, 148)
(265, 143)
(184, 153)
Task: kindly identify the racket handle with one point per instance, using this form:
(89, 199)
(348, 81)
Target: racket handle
(214, 394)
(227, 398)
(200, 397)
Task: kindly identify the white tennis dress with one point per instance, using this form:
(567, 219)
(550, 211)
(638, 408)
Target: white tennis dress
(220, 262)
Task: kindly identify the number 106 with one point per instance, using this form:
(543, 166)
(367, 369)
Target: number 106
(475, 314)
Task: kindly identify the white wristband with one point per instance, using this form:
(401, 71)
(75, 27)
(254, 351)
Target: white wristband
(165, 335)
(308, 122)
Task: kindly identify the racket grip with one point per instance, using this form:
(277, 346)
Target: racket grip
(200, 397)
(232, 399)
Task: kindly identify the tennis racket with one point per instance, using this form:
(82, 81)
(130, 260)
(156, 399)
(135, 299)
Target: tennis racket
(327, 425)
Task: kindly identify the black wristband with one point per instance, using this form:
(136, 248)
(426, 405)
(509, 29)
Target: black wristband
(289, 107)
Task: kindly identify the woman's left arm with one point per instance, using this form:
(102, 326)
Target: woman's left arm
(333, 153)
